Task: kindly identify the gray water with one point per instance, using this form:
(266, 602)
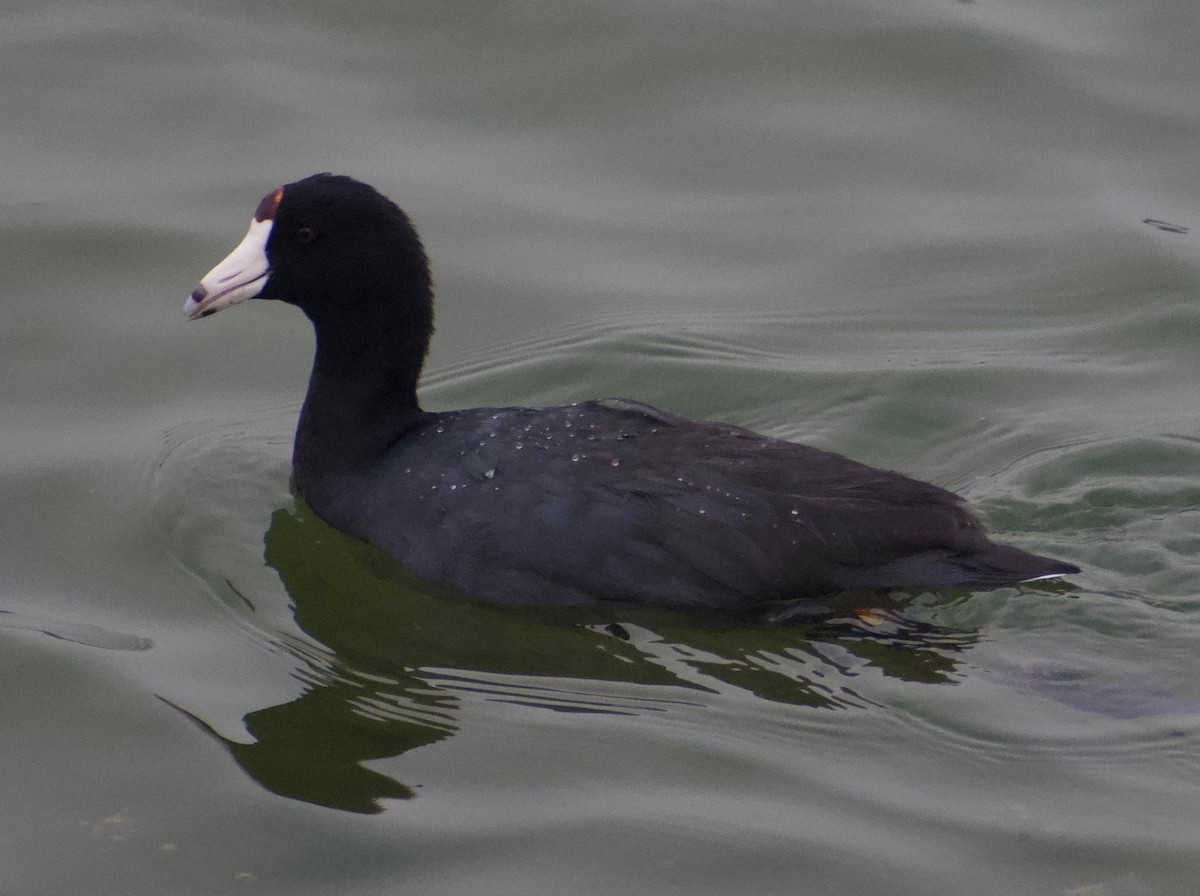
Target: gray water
(911, 231)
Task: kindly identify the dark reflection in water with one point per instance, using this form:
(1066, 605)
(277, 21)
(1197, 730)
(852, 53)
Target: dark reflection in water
(312, 748)
(402, 653)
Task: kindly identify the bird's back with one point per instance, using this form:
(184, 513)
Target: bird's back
(616, 500)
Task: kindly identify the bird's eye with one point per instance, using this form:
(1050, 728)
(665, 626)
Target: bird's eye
(305, 235)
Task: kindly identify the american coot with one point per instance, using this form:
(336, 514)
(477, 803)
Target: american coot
(601, 500)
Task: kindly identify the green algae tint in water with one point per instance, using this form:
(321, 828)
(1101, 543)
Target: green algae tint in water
(913, 233)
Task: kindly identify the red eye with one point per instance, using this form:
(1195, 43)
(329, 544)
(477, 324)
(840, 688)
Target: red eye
(305, 235)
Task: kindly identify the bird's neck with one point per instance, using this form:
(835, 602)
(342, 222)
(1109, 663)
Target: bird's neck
(362, 398)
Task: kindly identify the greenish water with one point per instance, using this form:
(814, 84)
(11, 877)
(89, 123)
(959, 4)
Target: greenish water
(913, 232)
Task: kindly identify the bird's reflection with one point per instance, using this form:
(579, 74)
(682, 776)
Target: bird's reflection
(401, 654)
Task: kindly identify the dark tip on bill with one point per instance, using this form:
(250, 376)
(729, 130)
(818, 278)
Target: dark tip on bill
(199, 293)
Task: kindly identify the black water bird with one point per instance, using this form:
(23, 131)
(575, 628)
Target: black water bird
(601, 500)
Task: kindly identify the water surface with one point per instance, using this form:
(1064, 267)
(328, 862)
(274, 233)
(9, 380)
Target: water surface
(912, 232)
